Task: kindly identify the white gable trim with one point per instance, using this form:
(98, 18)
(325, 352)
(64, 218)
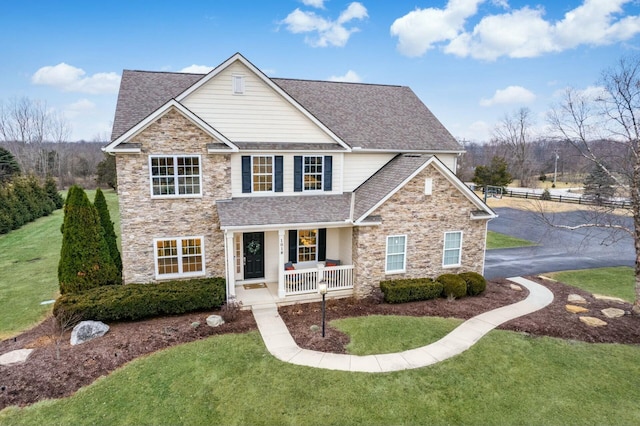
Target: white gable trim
(238, 57)
(151, 118)
(451, 177)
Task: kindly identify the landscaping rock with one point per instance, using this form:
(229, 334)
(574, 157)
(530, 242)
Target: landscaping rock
(87, 330)
(609, 298)
(15, 357)
(593, 322)
(214, 320)
(576, 298)
(576, 309)
(515, 287)
(612, 312)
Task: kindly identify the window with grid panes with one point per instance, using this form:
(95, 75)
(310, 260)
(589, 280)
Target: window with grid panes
(396, 253)
(262, 173)
(452, 248)
(308, 245)
(179, 257)
(175, 175)
(312, 173)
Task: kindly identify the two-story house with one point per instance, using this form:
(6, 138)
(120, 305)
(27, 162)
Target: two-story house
(287, 183)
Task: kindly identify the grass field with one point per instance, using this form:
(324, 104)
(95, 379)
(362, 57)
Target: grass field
(29, 269)
(506, 378)
(496, 240)
(616, 282)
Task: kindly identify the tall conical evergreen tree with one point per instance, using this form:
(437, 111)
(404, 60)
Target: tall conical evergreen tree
(100, 203)
(85, 261)
(51, 189)
(598, 185)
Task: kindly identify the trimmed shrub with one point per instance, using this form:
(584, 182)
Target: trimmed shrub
(452, 285)
(137, 301)
(476, 283)
(85, 261)
(100, 203)
(407, 290)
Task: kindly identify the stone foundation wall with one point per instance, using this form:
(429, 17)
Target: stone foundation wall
(423, 219)
(143, 218)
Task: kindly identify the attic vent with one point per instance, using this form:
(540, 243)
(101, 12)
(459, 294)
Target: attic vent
(413, 155)
(238, 84)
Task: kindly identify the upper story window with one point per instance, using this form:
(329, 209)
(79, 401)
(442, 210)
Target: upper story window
(396, 261)
(179, 257)
(175, 175)
(312, 175)
(262, 173)
(452, 249)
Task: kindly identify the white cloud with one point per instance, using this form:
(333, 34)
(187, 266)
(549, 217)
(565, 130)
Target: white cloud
(327, 32)
(519, 33)
(314, 3)
(71, 79)
(510, 95)
(350, 77)
(590, 93)
(80, 107)
(197, 69)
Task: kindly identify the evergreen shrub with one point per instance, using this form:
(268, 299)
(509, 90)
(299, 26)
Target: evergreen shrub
(476, 283)
(137, 301)
(452, 285)
(407, 290)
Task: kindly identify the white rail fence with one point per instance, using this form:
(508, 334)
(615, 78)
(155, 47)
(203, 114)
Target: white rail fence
(302, 281)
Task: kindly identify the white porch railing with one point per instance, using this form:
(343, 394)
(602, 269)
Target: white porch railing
(306, 280)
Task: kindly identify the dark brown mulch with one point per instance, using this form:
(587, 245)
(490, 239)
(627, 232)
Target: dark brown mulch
(44, 376)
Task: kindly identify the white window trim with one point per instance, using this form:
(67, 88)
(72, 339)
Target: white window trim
(304, 157)
(444, 250)
(404, 258)
(179, 248)
(298, 246)
(273, 174)
(175, 176)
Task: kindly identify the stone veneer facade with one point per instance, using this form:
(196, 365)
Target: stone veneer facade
(144, 218)
(423, 219)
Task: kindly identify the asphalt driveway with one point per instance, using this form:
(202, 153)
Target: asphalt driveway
(556, 249)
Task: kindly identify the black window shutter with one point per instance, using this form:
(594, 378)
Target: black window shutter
(328, 171)
(246, 173)
(293, 246)
(322, 244)
(297, 173)
(278, 170)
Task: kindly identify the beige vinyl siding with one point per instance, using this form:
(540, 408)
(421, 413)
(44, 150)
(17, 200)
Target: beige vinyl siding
(258, 115)
(287, 170)
(360, 167)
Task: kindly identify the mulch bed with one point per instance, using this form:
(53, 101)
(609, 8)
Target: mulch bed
(45, 376)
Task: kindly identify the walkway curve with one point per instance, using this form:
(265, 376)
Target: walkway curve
(281, 345)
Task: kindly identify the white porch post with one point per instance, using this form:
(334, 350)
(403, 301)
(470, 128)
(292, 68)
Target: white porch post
(229, 251)
(281, 262)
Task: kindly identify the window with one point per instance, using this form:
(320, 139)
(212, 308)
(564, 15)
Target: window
(175, 176)
(308, 245)
(262, 176)
(396, 253)
(452, 248)
(312, 175)
(179, 257)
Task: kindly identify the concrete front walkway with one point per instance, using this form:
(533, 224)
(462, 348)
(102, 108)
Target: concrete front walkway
(279, 342)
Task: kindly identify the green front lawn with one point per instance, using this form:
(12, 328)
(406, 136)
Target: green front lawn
(616, 282)
(29, 259)
(506, 378)
(496, 240)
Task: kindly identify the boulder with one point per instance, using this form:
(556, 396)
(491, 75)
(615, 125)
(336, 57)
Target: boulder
(576, 309)
(609, 298)
(15, 357)
(593, 322)
(576, 298)
(87, 330)
(612, 312)
(515, 287)
(214, 320)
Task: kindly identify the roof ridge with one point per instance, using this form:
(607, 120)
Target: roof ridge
(164, 72)
(337, 82)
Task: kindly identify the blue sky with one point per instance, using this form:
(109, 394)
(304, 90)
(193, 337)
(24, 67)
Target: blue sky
(470, 61)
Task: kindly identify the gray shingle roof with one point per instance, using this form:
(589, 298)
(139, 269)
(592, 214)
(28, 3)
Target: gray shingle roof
(372, 116)
(142, 92)
(254, 211)
(369, 116)
(385, 180)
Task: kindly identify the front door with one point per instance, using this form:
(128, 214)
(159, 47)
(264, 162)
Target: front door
(253, 243)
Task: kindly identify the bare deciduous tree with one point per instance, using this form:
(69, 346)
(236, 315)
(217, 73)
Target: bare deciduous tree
(613, 113)
(514, 132)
